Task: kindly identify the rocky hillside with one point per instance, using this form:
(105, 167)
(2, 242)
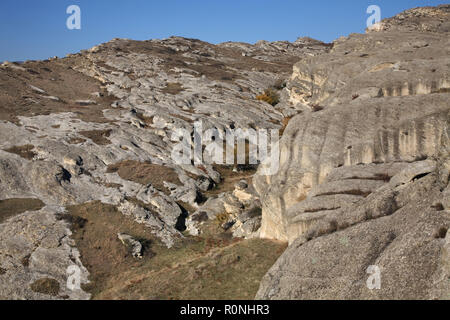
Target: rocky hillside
(91, 135)
(365, 168)
(89, 188)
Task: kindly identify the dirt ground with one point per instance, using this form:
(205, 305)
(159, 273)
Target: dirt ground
(210, 267)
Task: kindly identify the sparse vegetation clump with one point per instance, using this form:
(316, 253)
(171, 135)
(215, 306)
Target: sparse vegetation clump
(270, 96)
(221, 218)
(173, 88)
(12, 207)
(25, 152)
(99, 137)
(145, 173)
(46, 286)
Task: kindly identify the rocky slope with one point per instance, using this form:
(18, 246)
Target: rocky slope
(89, 186)
(97, 126)
(364, 170)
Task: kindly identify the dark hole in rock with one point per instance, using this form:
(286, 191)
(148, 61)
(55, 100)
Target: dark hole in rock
(64, 175)
(441, 233)
(420, 176)
(438, 207)
(26, 260)
(181, 221)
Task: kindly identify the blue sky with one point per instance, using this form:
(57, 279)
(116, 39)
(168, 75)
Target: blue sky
(36, 29)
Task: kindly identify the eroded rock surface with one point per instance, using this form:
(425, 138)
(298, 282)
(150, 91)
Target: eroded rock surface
(363, 177)
(98, 125)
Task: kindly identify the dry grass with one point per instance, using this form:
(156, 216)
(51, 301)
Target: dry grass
(76, 140)
(173, 88)
(56, 78)
(97, 136)
(232, 272)
(145, 173)
(11, 207)
(230, 178)
(284, 124)
(209, 267)
(23, 151)
(270, 96)
(95, 226)
(148, 121)
(46, 286)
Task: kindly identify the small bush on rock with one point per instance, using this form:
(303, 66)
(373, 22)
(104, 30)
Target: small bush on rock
(270, 96)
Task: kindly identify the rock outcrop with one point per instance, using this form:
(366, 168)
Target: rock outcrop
(364, 169)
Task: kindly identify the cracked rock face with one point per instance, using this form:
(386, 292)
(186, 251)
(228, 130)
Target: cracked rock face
(363, 177)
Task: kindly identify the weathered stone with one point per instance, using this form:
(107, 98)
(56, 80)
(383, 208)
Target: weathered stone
(135, 246)
(354, 189)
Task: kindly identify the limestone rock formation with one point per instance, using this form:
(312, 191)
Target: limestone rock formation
(364, 168)
(363, 177)
(98, 126)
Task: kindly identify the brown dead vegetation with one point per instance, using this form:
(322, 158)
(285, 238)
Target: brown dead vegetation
(173, 88)
(56, 78)
(23, 151)
(46, 286)
(14, 206)
(76, 140)
(207, 267)
(97, 136)
(145, 173)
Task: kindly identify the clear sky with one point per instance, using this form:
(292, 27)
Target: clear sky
(36, 29)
